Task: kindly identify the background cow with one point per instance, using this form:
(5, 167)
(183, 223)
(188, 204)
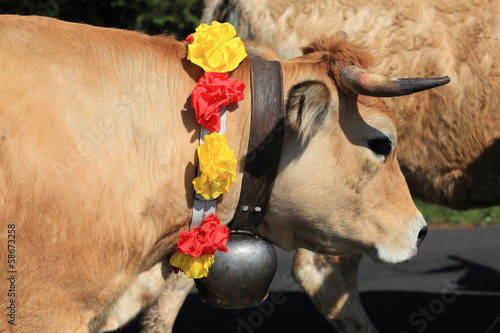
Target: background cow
(449, 143)
(449, 146)
(97, 157)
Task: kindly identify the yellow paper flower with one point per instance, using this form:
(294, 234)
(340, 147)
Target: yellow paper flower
(217, 167)
(194, 268)
(215, 49)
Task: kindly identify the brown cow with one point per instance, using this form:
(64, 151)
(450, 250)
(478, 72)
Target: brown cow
(449, 147)
(97, 156)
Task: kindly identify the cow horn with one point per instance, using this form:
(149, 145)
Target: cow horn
(359, 81)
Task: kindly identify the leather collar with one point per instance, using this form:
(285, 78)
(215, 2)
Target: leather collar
(264, 145)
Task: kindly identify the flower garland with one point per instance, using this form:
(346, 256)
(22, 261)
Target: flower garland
(217, 166)
(196, 248)
(215, 49)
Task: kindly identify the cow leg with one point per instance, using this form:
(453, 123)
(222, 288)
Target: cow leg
(330, 282)
(160, 317)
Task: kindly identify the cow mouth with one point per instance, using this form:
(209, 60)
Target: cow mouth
(379, 255)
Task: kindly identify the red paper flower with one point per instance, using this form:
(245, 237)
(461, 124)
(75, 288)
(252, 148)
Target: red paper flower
(205, 239)
(213, 91)
(190, 38)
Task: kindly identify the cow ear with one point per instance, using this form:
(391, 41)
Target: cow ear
(308, 108)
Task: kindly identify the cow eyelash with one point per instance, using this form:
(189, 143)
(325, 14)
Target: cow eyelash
(380, 146)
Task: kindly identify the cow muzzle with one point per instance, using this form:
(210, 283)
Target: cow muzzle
(402, 246)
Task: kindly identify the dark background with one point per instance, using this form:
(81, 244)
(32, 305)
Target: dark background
(179, 17)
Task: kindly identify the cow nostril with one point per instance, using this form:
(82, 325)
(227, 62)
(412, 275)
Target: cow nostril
(421, 235)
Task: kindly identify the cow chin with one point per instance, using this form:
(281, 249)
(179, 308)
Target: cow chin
(391, 247)
(403, 246)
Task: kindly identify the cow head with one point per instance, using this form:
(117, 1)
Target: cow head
(339, 187)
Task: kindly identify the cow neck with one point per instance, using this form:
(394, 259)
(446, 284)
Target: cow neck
(264, 145)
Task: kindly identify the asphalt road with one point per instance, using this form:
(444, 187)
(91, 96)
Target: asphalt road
(453, 285)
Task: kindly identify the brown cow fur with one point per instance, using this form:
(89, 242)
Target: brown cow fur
(97, 153)
(97, 157)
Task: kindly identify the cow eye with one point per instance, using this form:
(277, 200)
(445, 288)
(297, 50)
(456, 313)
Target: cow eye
(380, 146)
